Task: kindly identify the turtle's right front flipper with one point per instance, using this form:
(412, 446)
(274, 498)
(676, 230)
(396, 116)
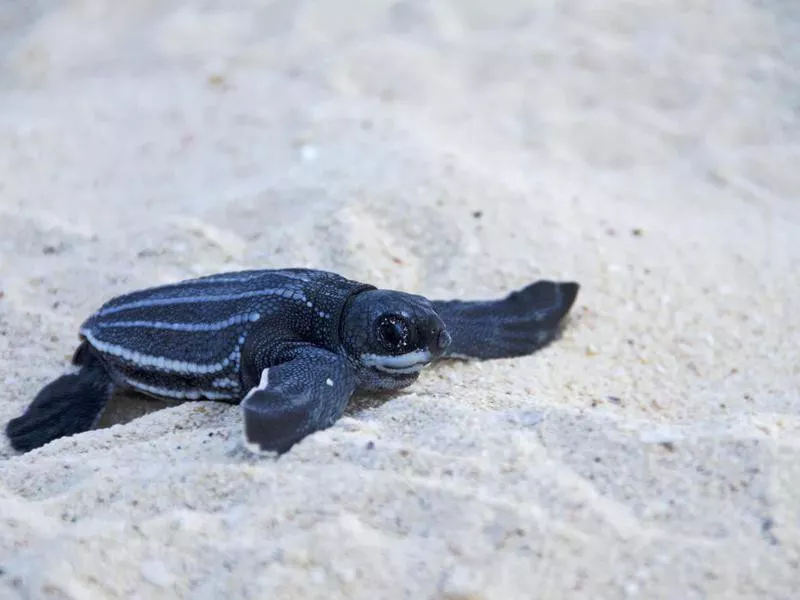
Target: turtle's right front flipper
(307, 393)
(516, 325)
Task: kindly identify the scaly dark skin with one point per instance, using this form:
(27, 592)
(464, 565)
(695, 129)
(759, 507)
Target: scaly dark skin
(290, 346)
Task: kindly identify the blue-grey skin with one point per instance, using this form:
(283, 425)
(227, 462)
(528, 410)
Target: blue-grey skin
(291, 346)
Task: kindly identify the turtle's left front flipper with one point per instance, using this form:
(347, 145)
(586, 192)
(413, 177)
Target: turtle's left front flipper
(519, 324)
(307, 393)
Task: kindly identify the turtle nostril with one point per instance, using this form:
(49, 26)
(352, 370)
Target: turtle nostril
(443, 340)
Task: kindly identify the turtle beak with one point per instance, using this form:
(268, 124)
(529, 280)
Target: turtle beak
(438, 337)
(443, 340)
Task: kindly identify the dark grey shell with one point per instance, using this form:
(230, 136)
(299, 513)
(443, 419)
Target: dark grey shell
(185, 340)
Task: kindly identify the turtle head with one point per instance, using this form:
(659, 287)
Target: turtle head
(391, 336)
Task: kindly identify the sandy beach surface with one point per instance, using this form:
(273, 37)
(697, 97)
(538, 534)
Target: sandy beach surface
(648, 150)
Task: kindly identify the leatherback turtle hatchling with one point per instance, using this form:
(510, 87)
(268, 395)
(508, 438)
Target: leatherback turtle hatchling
(290, 345)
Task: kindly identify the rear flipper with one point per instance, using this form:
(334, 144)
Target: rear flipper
(519, 324)
(68, 405)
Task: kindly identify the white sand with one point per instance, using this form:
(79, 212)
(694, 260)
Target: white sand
(652, 452)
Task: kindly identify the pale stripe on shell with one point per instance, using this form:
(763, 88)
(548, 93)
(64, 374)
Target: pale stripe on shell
(244, 277)
(159, 362)
(285, 293)
(181, 394)
(216, 326)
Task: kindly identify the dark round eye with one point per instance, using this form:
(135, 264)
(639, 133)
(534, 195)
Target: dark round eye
(393, 332)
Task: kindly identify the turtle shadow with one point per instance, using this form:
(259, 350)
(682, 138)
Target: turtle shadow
(126, 406)
(368, 400)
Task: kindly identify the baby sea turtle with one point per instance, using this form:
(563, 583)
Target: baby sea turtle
(291, 346)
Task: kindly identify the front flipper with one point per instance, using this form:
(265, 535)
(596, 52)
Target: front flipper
(307, 393)
(516, 325)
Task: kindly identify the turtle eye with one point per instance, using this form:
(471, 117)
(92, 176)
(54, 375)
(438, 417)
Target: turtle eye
(393, 332)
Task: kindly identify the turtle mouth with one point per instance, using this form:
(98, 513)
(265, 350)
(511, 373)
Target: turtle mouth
(410, 362)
